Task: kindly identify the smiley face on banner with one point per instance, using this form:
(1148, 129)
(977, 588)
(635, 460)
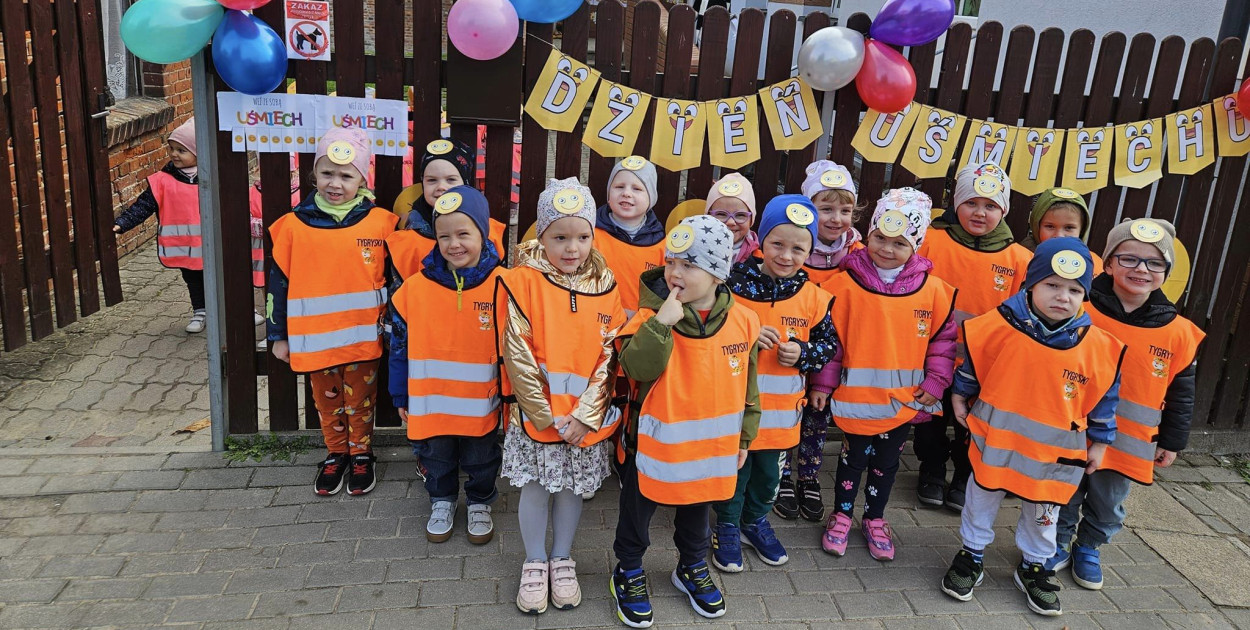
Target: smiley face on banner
(988, 142)
(559, 96)
(790, 109)
(1035, 161)
(881, 136)
(1139, 153)
(677, 134)
(1086, 159)
(615, 120)
(733, 131)
(933, 142)
(1231, 128)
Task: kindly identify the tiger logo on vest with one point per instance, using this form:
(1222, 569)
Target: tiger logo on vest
(1000, 282)
(1158, 368)
(367, 254)
(922, 328)
(1069, 390)
(735, 365)
(792, 333)
(483, 318)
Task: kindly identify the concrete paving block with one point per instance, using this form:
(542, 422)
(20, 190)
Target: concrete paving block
(82, 566)
(149, 480)
(1129, 621)
(61, 545)
(235, 559)
(267, 580)
(335, 621)
(1196, 621)
(68, 615)
(316, 553)
(346, 509)
(878, 604)
(170, 501)
(289, 604)
(462, 592)
(21, 486)
(417, 618)
(236, 498)
(283, 534)
(221, 608)
(283, 476)
(268, 623)
(75, 484)
(263, 517)
(427, 569)
(146, 542)
(1152, 508)
(217, 478)
(104, 588)
(498, 616)
(921, 623)
(127, 614)
(364, 528)
(395, 548)
(44, 590)
(812, 607)
(352, 573)
(214, 539)
(42, 525)
(162, 564)
(397, 595)
(1216, 566)
(183, 520)
(193, 585)
(179, 461)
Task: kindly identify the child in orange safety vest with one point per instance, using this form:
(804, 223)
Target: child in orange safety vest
(1038, 394)
(627, 232)
(1156, 395)
(327, 295)
(444, 367)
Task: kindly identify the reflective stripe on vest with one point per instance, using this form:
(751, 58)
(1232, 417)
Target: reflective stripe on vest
(327, 304)
(1066, 474)
(685, 471)
(451, 370)
(451, 406)
(689, 430)
(563, 383)
(883, 411)
(334, 339)
(1133, 446)
(258, 262)
(779, 418)
(780, 385)
(1141, 414)
(882, 379)
(171, 252)
(1027, 427)
(180, 230)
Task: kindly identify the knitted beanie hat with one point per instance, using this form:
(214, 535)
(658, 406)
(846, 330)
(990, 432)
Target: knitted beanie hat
(704, 242)
(564, 198)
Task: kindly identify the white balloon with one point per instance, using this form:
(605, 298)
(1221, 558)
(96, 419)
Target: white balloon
(831, 57)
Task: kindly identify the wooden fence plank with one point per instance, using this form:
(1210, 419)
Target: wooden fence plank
(310, 78)
(349, 48)
(12, 313)
(574, 43)
(427, 91)
(797, 161)
(389, 169)
(676, 85)
(1039, 102)
(1011, 105)
(921, 59)
(710, 85)
(949, 95)
(534, 139)
(1168, 198)
(1070, 105)
(609, 37)
(781, 28)
(1098, 112)
(642, 64)
(847, 109)
(1223, 367)
(1159, 103)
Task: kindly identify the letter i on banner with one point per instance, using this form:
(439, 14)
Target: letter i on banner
(677, 134)
(733, 137)
(934, 142)
(1035, 161)
(1139, 153)
(1086, 159)
(881, 136)
(615, 120)
(988, 142)
(790, 109)
(1231, 128)
(559, 96)
(1191, 140)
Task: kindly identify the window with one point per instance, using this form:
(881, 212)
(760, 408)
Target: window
(121, 68)
(970, 8)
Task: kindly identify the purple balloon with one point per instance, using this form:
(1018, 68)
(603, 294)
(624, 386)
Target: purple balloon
(912, 22)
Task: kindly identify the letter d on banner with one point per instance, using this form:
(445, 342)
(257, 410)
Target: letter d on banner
(559, 96)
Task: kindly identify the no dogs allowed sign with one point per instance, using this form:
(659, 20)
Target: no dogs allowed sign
(308, 30)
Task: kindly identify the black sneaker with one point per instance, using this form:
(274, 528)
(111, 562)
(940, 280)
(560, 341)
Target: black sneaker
(955, 498)
(787, 505)
(1040, 587)
(696, 582)
(330, 475)
(811, 505)
(964, 575)
(361, 480)
(633, 604)
(931, 491)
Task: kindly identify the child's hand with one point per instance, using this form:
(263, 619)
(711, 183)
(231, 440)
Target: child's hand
(117, 229)
(671, 311)
(282, 350)
(960, 405)
(769, 337)
(817, 400)
(571, 431)
(742, 457)
(1094, 456)
(924, 398)
(788, 353)
(403, 414)
(1164, 458)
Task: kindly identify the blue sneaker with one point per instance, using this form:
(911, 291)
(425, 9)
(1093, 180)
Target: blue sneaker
(633, 605)
(727, 548)
(1086, 567)
(697, 584)
(760, 537)
(1061, 559)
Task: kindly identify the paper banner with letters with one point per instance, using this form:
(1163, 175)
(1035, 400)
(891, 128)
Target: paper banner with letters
(933, 143)
(1231, 128)
(793, 118)
(677, 134)
(1035, 161)
(1139, 153)
(269, 123)
(1087, 159)
(733, 136)
(615, 119)
(881, 136)
(560, 95)
(988, 142)
(385, 120)
(1191, 140)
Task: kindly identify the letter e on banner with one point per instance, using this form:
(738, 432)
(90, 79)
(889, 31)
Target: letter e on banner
(733, 132)
(1086, 160)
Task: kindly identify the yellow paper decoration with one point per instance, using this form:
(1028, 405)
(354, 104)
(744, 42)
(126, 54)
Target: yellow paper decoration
(1231, 128)
(1035, 161)
(559, 96)
(933, 142)
(733, 135)
(615, 120)
(1087, 159)
(1139, 153)
(677, 134)
(1191, 140)
(793, 118)
(881, 136)
(988, 142)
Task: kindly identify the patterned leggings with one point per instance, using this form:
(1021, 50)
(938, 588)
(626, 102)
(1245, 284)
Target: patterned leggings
(877, 453)
(812, 430)
(344, 397)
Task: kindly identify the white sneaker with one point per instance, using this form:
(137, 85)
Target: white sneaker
(196, 325)
(481, 526)
(586, 496)
(438, 528)
(257, 318)
(262, 344)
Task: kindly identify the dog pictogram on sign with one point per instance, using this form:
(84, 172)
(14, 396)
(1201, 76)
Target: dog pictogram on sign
(308, 30)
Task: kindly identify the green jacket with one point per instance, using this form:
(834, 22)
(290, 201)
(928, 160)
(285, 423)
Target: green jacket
(644, 355)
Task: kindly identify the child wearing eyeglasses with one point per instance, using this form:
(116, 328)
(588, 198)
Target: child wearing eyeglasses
(732, 202)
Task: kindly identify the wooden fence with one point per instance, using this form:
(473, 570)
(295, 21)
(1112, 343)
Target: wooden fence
(1034, 91)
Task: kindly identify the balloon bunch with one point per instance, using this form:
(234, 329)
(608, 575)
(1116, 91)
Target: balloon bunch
(834, 56)
(486, 29)
(249, 56)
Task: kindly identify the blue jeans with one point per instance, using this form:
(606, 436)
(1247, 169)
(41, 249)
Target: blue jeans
(1098, 506)
(444, 457)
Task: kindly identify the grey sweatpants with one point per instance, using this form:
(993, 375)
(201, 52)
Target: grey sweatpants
(1035, 531)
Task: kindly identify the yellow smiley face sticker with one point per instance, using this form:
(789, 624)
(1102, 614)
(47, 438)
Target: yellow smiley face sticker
(449, 202)
(1068, 264)
(892, 223)
(1146, 231)
(633, 163)
(833, 179)
(439, 147)
(341, 152)
(680, 239)
(568, 202)
(987, 186)
(799, 214)
(1064, 193)
(730, 189)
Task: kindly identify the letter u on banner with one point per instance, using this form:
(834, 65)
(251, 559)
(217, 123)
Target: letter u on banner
(1087, 159)
(560, 94)
(791, 112)
(733, 131)
(677, 134)
(881, 136)
(1035, 161)
(1139, 153)
(615, 119)
(988, 142)
(934, 142)
(1231, 128)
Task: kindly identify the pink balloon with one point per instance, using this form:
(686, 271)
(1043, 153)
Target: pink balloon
(886, 81)
(243, 5)
(482, 29)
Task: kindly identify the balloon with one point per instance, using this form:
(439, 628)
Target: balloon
(887, 82)
(545, 11)
(482, 29)
(831, 57)
(1243, 98)
(167, 31)
(243, 5)
(248, 55)
(912, 22)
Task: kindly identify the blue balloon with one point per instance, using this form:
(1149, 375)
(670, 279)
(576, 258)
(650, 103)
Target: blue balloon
(249, 56)
(168, 31)
(545, 11)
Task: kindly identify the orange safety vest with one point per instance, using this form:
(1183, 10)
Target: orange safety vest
(885, 339)
(627, 262)
(781, 387)
(337, 288)
(690, 423)
(407, 248)
(1028, 423)
(568, 329)
(1154, 357)
(255, 204)
(453, 364)
(984, 279)
(821, 276)
(178, 243)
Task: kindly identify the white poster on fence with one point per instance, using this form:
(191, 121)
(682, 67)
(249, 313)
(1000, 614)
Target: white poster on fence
(386, 120)
(269, 123)
(308, 30)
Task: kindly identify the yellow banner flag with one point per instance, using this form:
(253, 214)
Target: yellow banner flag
(559, 96)
(1035, 161)
(1139, 153)
(792, 115)
(933, 143)
(615, 120)
(988, 142)
(677, 134)
(1086, 159)
(881, 136)
(733, 131)
(1191, 140)
(1231, 129)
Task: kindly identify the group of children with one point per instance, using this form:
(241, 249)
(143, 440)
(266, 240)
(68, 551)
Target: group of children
(691, 363)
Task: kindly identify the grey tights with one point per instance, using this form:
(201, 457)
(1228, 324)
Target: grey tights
(566, 512)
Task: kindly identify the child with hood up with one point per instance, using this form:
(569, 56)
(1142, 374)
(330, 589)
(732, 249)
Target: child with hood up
(1060, 212)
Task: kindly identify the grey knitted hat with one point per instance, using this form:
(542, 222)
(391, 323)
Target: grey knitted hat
(704, 242)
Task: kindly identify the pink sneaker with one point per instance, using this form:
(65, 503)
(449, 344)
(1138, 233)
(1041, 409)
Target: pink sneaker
(837, 530)
(880, 541)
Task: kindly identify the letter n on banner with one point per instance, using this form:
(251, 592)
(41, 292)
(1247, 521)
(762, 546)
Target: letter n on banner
(615, 120)
(1139, 153)
(881, 136)
(791, 112)
(1231, 128)
(1086, 159)
(1191, 140)
(934, 142)
(733, 131)
(559, 96)
(677, 134)
(1035, 161)
(988, 142)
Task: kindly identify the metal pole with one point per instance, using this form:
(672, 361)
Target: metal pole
(205, 103)
(1236, 21)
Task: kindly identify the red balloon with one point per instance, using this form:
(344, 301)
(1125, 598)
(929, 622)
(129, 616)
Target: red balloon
(886, 82)
(243, 5)
(1243, 98)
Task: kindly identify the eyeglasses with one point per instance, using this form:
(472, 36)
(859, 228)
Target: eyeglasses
(1155, 265)
(725, 217)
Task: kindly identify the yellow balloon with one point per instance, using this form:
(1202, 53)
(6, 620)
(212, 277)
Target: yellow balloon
(403, 203)
(1175, 285)
(531, 233)
(687, 208)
